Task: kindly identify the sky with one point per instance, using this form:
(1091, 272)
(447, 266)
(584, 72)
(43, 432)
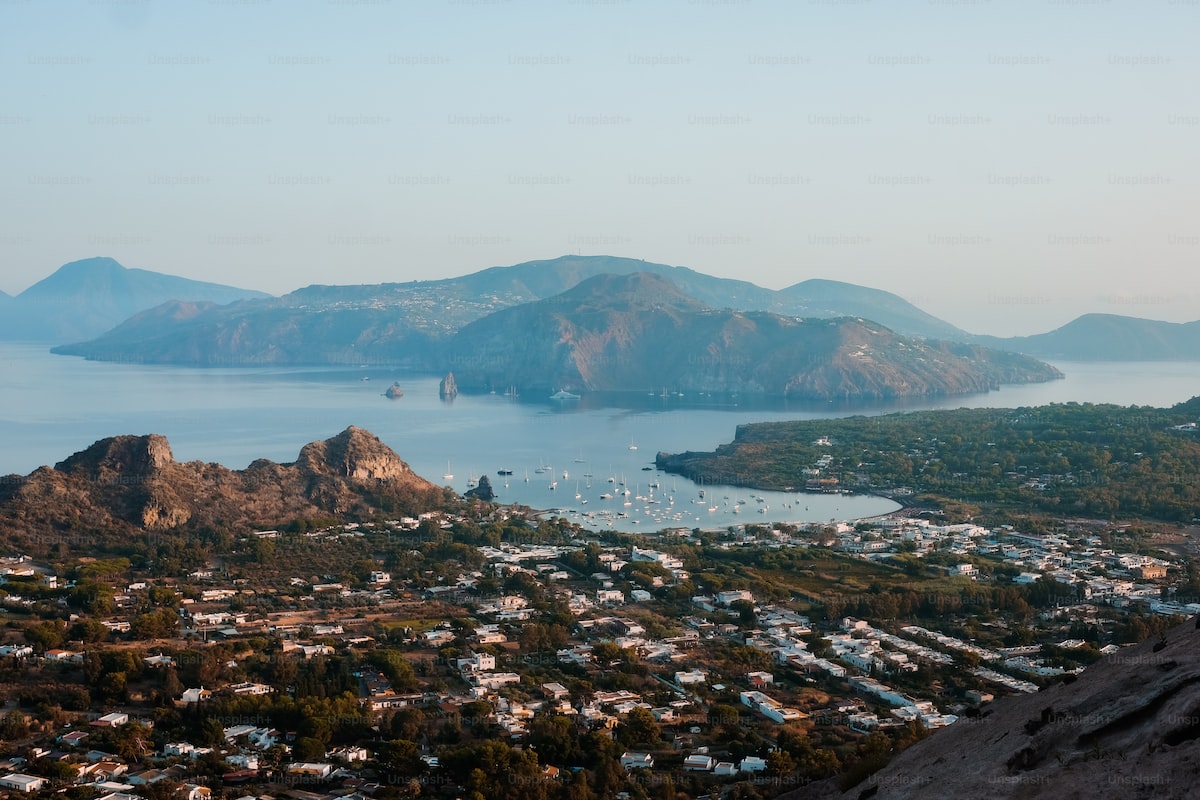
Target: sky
(1006, 165)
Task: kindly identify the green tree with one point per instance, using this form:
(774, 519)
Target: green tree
(639, 728)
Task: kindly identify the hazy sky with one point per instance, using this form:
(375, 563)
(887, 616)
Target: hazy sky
(1005, 165)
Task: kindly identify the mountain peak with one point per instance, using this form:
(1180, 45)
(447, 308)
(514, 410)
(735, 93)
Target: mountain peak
(121, 458)
(126, 485)
(84, 298)
(355, 454)
(93, 264)
(628, 292)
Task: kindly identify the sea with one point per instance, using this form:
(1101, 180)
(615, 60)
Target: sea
(589, 459)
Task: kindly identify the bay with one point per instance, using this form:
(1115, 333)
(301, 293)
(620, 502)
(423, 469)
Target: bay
(52, 406)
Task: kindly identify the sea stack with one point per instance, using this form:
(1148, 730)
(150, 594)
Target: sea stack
(447, 389)
(394, 391)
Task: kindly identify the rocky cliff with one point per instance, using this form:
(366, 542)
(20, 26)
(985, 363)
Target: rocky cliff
(128, 485)
(1128, 727)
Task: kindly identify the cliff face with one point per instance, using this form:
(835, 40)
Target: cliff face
(1129, 726)
(130, 484)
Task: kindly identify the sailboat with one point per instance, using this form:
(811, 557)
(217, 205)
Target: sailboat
(449, 476)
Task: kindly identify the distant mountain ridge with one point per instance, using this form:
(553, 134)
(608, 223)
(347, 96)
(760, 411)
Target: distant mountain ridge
(394, 322)
(639, 332)
(610, 332)
(1110, 337)
(390, 323)
(85, 298)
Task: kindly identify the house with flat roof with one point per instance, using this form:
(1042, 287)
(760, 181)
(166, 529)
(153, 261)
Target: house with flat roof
(637, 761)
(20, 782)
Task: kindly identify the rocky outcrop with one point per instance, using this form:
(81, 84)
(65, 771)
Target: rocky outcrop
(1129, 726)
(128, 485)
(483, 490)
(448, 388)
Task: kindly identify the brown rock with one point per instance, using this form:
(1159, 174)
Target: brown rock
(129, 484)
(1128, 727)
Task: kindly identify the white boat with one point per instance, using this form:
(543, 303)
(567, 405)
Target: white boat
(449, 476)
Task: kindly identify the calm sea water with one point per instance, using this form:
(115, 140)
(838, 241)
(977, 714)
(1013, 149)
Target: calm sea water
(52, 406)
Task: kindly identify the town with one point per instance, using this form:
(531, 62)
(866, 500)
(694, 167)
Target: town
(454, 652)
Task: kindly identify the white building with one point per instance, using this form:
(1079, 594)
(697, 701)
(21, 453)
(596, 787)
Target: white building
(20, 782)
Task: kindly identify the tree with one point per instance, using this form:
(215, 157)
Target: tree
(578, 788)
(306, 748)
(399, 757)
(780, 763)
(46, 635)
(14, 726)
(639, 728)
(88, 630)
(554, 739)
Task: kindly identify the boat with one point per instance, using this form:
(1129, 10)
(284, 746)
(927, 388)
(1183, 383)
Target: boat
(562, 394)
(449, 476)
(504, 472)
(394, 391)
(632, 446)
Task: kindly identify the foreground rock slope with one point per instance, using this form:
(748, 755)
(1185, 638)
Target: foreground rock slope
(1128, 727)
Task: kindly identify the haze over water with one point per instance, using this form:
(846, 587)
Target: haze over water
(53, 406)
